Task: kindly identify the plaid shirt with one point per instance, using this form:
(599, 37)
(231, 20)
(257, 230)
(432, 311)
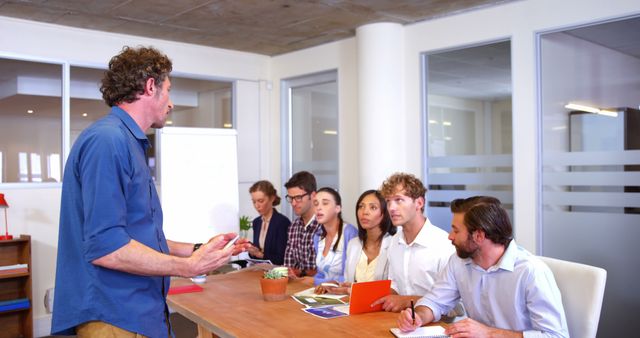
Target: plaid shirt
(300, 253)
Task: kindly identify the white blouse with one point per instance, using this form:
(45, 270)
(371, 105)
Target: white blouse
(331, 264)
(354, 254)
(365, 271)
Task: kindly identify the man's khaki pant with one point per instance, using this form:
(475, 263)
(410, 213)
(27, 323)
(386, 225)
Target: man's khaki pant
(96, 329)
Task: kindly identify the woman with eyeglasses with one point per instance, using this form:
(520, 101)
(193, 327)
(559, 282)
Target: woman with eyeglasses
(367, 254)
(330, 242)
(270, 229)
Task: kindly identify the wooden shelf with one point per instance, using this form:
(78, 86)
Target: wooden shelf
(15, 275)
(18, 322)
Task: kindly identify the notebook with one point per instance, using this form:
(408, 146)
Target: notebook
(421, 332)
(365, 293)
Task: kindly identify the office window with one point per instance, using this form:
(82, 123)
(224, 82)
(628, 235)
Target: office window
(201, 103)
(310, 127)
(54, 170)
(591, 157)
(86, 104)
(468, 127)
(30, 120)
(197, 103)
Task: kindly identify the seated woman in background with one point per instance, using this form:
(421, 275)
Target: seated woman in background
(330, 242)
(367, 254)
(271, 228)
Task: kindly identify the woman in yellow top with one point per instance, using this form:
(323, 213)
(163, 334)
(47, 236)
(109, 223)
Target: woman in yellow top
(367, 253)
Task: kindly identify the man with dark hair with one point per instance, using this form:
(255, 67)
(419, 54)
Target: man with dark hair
(418, 252)
(300, 255)
(506, 291)
(114, 262)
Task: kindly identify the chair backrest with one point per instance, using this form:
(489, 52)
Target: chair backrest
(582, 288)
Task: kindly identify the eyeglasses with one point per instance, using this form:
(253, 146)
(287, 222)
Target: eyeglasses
(297, 198)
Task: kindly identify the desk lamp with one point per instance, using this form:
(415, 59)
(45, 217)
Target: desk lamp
(4, 205)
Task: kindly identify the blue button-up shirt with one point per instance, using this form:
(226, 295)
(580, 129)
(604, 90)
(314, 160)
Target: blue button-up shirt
(108, 199)
(518, 293)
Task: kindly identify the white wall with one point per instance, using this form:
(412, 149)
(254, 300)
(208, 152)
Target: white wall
(35, 208)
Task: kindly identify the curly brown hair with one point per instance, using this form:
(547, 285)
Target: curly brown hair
(411, 185)
(129, 71)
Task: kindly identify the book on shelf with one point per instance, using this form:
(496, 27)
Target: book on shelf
(13, 269)
(14, 266)
(14, 304)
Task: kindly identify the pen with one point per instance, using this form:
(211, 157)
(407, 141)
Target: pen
(413, 314)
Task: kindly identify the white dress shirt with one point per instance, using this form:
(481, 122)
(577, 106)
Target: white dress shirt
(413, 267)
(354, 252)
(518, 293)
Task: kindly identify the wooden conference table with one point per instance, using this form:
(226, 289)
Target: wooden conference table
(231, 305)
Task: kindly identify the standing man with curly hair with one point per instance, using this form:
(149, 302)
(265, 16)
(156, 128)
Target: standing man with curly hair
(419, 251)
(114, 262)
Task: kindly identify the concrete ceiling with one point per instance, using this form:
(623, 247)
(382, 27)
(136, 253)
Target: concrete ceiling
(269, 27)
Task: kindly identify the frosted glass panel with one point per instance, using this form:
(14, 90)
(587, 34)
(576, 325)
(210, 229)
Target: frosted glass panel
(468, 127)
(312, 112)
(591, 161)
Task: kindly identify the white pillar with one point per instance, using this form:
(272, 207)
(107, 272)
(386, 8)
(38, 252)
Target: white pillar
(380, 102)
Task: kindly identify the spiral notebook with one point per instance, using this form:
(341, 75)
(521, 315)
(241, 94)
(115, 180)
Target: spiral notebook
(421, 332)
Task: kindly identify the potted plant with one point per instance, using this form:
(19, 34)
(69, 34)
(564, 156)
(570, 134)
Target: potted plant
(245, 226)
(274, 285)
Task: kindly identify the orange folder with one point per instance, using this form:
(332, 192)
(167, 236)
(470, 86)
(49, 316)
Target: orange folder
(365, 293)
(184, 289)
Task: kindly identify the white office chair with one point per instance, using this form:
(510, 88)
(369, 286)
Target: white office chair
(582, 288)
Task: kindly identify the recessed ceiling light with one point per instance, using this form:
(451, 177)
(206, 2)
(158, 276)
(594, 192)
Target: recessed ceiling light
(30, 111)
(85, 114)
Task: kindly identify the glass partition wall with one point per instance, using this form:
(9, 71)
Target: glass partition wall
(590, 81)
(30, 121)
(310, 108)
(31, 114)
(468, 127)
(197, 103)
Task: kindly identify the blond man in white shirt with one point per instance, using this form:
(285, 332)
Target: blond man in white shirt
(418, 252)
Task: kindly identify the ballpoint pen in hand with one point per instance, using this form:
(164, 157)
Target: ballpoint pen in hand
(413, 314)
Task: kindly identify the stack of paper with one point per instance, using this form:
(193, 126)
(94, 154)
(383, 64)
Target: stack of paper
(309, 298)
(13, 269)
(327, 306)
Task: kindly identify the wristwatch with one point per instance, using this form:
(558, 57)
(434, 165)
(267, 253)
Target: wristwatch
(196, 246)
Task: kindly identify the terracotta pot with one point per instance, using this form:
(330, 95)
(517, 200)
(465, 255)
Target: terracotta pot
(274, 289)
